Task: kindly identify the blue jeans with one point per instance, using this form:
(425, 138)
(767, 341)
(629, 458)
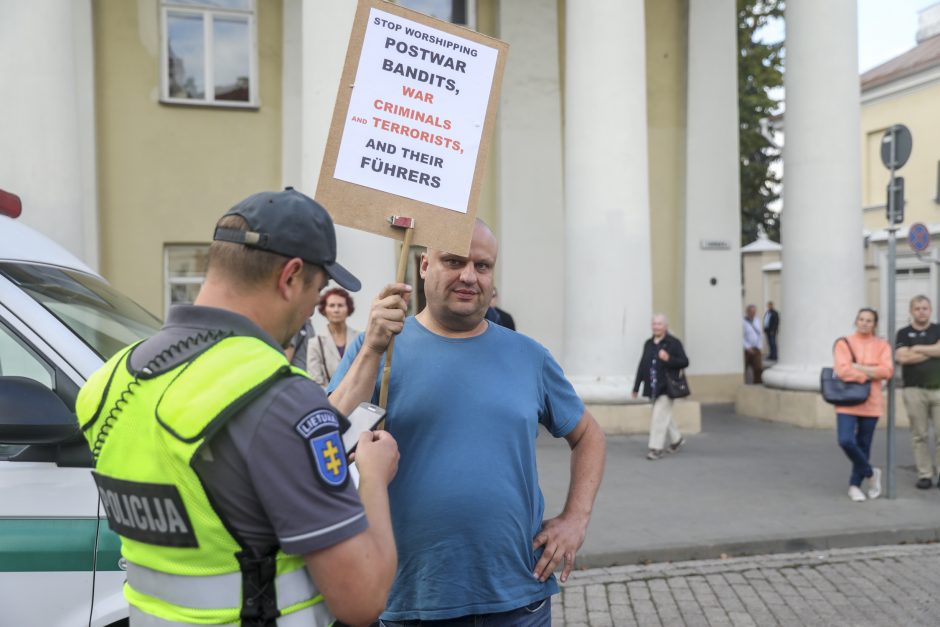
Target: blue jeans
(855, 436)
(538, 614)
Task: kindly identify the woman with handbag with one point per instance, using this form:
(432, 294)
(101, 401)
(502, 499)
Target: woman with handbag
(325, 353)
(660, 370)
(858, 358)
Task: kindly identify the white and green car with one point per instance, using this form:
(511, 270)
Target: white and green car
(60, 564)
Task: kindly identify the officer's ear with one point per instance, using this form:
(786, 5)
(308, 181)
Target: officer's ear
(291, 277)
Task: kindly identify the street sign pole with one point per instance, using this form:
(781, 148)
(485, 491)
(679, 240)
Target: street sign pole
(895, 151)
(892, 291)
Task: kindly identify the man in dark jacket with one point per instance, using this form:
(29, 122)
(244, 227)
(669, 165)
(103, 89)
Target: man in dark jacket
(661, 353)
(771, 324)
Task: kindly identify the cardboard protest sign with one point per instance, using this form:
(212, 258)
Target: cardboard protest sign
(412, 125)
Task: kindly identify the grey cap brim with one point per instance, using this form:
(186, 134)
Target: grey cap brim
(342, 276)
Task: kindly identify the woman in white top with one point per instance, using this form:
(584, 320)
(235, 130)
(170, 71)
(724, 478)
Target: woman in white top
(325, 352)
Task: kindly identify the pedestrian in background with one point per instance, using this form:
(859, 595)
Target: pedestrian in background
(753, 339)
(661, 353)
(771, 324)
(860, 357)
(917, 349)
(499, 316)
(325, 352)
(296, 351)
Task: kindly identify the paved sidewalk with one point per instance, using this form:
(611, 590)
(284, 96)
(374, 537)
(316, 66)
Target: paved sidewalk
(871, 587)
(741, 487)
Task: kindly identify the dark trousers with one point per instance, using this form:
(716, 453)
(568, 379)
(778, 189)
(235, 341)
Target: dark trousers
(538, 614)
(753, 360)
(772, 345)
(855, 436)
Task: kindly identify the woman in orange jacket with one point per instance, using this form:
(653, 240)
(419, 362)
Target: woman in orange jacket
(861, 357)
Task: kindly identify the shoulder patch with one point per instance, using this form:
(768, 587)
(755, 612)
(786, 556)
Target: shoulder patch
(321, 431)
(316, 421)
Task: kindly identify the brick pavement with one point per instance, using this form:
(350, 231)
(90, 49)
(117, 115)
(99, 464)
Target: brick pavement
(886, 586)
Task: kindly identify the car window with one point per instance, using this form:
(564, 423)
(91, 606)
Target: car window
(102, 317)
(19, 360)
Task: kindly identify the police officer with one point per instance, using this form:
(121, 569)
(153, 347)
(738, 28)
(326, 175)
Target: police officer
(221, 466)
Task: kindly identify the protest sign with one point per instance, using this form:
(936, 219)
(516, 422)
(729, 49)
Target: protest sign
(412, 125)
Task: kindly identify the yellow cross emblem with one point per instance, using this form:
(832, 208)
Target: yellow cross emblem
(329, 453)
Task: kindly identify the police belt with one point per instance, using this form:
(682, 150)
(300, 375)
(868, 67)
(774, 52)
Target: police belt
(221, 591)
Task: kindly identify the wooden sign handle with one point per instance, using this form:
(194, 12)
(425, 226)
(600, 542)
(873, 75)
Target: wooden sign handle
(408, 225)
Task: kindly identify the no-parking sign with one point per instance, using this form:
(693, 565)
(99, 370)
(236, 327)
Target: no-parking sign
(918, 236)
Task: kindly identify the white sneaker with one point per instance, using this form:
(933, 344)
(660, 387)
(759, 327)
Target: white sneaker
(874, 483)
(856, 494)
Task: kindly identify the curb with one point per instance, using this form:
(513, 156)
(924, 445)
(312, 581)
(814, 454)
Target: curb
(761, 546)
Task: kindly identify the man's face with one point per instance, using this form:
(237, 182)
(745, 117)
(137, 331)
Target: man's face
(659, 326)
(920, 312)
(750, 311)
(458, 289)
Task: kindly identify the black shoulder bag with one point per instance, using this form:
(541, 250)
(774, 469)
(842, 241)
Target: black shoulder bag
(676, 384)
(842, 393)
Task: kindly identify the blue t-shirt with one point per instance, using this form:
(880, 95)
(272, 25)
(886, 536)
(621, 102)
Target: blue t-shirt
(466, 503)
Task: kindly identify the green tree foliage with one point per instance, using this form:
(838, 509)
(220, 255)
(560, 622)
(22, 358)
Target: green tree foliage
(760, 73)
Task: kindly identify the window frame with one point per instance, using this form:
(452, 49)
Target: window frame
(208, 37)
(169, 281)
(470, 7)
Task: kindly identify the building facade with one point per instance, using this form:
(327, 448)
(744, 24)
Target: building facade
(612, 181)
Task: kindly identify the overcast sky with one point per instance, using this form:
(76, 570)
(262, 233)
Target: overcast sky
(886, 28)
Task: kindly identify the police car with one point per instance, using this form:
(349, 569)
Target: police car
(60, 564)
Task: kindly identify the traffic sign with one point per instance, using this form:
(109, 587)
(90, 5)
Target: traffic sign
(895, 203)
(918, 236)
(898, 138)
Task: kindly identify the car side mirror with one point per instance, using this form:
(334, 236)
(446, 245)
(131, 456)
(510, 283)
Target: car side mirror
(31, 413)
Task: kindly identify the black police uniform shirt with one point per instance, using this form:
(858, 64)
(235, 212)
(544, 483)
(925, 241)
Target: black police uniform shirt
(927, 373)
(261, 469)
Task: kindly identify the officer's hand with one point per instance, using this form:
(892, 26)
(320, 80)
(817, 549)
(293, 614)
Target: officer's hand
(377, 456)
(663, 355)
(387, 317)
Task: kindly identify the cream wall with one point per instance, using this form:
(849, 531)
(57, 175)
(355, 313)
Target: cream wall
(167, 172)
(760, 286)
(916, 109)
(666, 51)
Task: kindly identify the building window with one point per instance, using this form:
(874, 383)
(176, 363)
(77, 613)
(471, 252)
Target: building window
(209, 52)
(458, 12)
(185, 272)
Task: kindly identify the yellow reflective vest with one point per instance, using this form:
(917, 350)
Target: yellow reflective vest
(183, 564)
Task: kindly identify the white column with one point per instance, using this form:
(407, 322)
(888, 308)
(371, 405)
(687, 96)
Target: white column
(712, 287)
(530, 181)
(823, 268)
(47, 120)
(607, 222)
(316, 36)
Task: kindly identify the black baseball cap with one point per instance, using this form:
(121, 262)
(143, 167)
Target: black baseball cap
(291, 224)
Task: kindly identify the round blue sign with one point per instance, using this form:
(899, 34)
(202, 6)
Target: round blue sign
(918, 237)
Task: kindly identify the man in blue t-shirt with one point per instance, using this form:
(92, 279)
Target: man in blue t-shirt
(465, 401)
